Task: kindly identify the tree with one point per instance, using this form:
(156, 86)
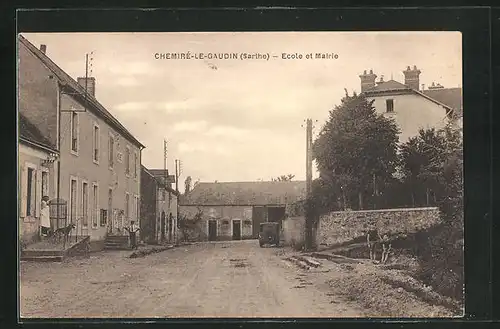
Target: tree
(355, 152)
(283, 178)
(187, 185)
(189, 225)
(433, 162)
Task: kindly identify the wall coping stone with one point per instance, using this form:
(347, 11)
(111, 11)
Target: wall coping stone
(380, 210)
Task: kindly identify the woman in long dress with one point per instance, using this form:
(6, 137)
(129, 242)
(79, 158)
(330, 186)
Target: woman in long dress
(45, 216)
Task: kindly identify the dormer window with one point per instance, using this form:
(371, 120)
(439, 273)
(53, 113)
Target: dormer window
(389, 103)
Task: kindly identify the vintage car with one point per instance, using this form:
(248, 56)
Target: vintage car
(269, 233)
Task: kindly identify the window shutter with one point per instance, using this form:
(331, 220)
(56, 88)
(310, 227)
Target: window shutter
(38, 192)
(23, 190)
(78, 133)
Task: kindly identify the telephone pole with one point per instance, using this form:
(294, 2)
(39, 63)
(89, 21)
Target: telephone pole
(165, 162)
(309, 158)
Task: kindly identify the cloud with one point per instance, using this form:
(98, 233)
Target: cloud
(227, 131)
(184, 147)
(132, 106)
(189, 126)
(175, 106)
(127, 82)
(131, 68)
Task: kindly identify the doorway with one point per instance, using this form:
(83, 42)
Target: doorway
(212, 230)
(162, 227)
(170, 227)
(236, 229)
(258, 216)
(276, 214)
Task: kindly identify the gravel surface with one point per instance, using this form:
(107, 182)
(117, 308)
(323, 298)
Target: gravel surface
(222, 279)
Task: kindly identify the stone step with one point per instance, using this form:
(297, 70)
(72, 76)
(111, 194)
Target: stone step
(37, 253)
(42, 258)
(299, 263)
(308, 261)
(117, 248)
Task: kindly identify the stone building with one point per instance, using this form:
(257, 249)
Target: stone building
(99, 158)
(36, 172)
(158, 208)
(234, 210)
(411, 106)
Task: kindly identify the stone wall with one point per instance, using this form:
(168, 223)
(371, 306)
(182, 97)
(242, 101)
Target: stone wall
(81, 249)
(293, 231)
(341, 226)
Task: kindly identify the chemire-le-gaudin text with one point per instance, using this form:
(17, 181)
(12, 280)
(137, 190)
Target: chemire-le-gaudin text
(242, 56)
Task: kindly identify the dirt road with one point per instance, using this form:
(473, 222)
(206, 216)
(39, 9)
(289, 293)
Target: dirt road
(223, 279)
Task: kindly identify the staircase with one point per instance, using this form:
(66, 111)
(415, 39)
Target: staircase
(116, 242)
(45, 251)
(43, 255)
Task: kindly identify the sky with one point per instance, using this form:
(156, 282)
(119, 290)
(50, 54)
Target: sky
(243, 120)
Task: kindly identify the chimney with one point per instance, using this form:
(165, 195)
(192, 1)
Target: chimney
(412, 77)
(367, 80)
(43, 48)
(90, 84)
(436, 86)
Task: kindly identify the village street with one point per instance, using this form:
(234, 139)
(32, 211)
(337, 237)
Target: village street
(220, 279)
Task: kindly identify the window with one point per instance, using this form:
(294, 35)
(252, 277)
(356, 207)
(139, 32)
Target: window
(127, 203)
(72, 198)
(85, 204)
(74, 132)
(95, 204)
(110, 201)
(95, 153)
(127, 161)
(104, 217)
(137, 208)
(45, 183)
(30, 197)
(389, 105)
(135, 165)
(111, 151)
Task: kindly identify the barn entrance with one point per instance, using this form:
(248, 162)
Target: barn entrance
(236, 229)
(276, 214)
(258, 216)
(212, 230)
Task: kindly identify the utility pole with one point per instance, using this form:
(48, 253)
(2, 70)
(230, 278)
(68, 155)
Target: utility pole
(165, 161)
(309, 159)
(60, 91)
(178, 172)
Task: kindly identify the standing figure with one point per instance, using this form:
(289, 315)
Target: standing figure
(372, 238)
(386, 248)
(132, 230)
(45, 216)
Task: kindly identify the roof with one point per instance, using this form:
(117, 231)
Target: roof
(390, 85)
(157, 180)
(246, 193)
(67, 81)
(445, 99)
(160, 175)
(449, 96)
(29, 132)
